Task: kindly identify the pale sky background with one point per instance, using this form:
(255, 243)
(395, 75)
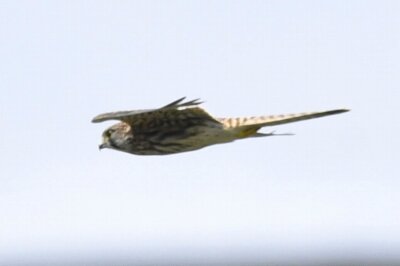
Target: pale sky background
(330, 191)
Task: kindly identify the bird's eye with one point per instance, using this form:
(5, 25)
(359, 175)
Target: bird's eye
(108, 133)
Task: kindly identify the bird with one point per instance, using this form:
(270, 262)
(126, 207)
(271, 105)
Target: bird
(183, 126)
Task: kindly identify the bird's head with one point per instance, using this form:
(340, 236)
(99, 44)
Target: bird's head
(117, 137)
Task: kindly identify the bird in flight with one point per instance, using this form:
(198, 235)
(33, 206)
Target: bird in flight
(183, 126)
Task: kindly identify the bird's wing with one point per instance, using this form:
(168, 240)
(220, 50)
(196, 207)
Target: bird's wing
(169, 113)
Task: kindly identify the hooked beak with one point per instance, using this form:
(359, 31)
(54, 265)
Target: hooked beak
(102, 146)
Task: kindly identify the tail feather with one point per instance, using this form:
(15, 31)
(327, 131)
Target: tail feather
(247, 126)
(274, 120)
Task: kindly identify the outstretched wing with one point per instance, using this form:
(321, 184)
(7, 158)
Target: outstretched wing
(172, 114)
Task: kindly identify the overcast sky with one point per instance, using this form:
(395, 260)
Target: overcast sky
(330, 191)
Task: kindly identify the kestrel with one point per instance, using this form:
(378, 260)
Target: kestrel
(183, 126)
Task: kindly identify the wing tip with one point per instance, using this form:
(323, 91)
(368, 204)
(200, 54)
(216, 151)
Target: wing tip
(178, 103)
(195, 102)
(96, 120)
(339, 111)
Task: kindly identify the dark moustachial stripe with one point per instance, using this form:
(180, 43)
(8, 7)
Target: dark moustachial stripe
(112, 143)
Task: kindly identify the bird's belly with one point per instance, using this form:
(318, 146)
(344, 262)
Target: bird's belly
(208, 136)
(190, 139)
(200, 137)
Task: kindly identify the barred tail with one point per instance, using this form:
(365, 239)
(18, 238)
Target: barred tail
(247, 126)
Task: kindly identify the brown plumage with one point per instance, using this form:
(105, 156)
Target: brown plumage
(183, 126)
